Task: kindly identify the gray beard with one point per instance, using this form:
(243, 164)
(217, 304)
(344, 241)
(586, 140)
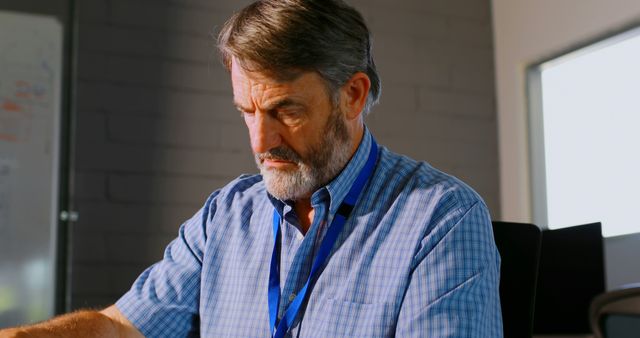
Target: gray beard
(325, 161)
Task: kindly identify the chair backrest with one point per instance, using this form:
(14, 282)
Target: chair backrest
(616, 313)
(570, 274)
(519, 247)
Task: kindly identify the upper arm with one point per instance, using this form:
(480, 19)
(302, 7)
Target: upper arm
(125, 328)
(453, 289)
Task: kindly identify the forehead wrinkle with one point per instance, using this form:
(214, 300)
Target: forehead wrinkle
(286, 102)
(269, 97)
(258, 90)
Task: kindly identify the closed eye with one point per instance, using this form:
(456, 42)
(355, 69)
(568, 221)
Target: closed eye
(242, 111)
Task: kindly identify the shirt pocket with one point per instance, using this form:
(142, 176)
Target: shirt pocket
(337, 318)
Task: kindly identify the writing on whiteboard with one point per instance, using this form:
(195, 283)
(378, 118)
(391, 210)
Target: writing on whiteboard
(25, 89)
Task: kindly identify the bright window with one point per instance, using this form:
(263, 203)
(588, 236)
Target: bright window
(585, 137)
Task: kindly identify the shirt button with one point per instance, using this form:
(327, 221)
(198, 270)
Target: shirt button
(300, 236)
(292, 297)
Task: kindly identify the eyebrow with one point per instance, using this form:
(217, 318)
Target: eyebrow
(286, 102)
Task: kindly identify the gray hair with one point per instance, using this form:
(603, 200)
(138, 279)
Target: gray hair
(287, 37)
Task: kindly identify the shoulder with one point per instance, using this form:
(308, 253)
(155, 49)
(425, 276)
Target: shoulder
(232, 206)
(246, 188)
(435, 206)
(420, 180)
(244, 184)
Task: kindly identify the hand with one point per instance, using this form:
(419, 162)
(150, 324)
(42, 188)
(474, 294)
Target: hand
(13, 333)
(104, 324)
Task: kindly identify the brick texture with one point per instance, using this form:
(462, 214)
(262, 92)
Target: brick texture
(157, 131)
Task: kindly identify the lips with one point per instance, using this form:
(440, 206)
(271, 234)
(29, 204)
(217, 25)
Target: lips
(277, 163)
(280, 153)
(280, 158)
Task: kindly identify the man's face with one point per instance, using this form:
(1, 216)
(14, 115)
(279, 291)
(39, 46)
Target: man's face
(300, 140)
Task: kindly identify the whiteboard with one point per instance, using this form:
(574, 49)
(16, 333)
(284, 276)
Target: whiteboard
(30, 117)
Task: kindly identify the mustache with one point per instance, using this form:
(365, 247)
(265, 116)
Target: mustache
(281, 153)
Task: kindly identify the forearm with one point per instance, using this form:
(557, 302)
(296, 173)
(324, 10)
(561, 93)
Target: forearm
(77, 324)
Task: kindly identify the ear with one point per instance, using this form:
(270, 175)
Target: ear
(353, 95)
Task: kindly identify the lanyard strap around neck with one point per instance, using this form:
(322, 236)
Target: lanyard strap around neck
(323, 252)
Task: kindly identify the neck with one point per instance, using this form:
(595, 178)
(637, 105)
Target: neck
(305, 213)
(358, 134)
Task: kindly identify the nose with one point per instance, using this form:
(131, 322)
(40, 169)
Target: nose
(263, 131)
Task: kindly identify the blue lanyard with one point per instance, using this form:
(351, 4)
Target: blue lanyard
(323, 253)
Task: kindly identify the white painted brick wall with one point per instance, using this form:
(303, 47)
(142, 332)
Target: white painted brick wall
(157, 131)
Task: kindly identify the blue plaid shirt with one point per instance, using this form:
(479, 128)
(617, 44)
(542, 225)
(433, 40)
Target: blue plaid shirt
(415, 258)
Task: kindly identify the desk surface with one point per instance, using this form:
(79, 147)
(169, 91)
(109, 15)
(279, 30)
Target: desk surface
(564, 336)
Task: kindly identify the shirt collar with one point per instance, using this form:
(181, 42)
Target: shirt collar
(338, 188)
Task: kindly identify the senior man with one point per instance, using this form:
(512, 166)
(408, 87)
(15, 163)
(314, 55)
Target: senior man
(337, 236)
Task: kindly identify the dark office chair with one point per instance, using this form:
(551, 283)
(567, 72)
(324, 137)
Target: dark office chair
(616, 314)
(570, 275)
(519, 247)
